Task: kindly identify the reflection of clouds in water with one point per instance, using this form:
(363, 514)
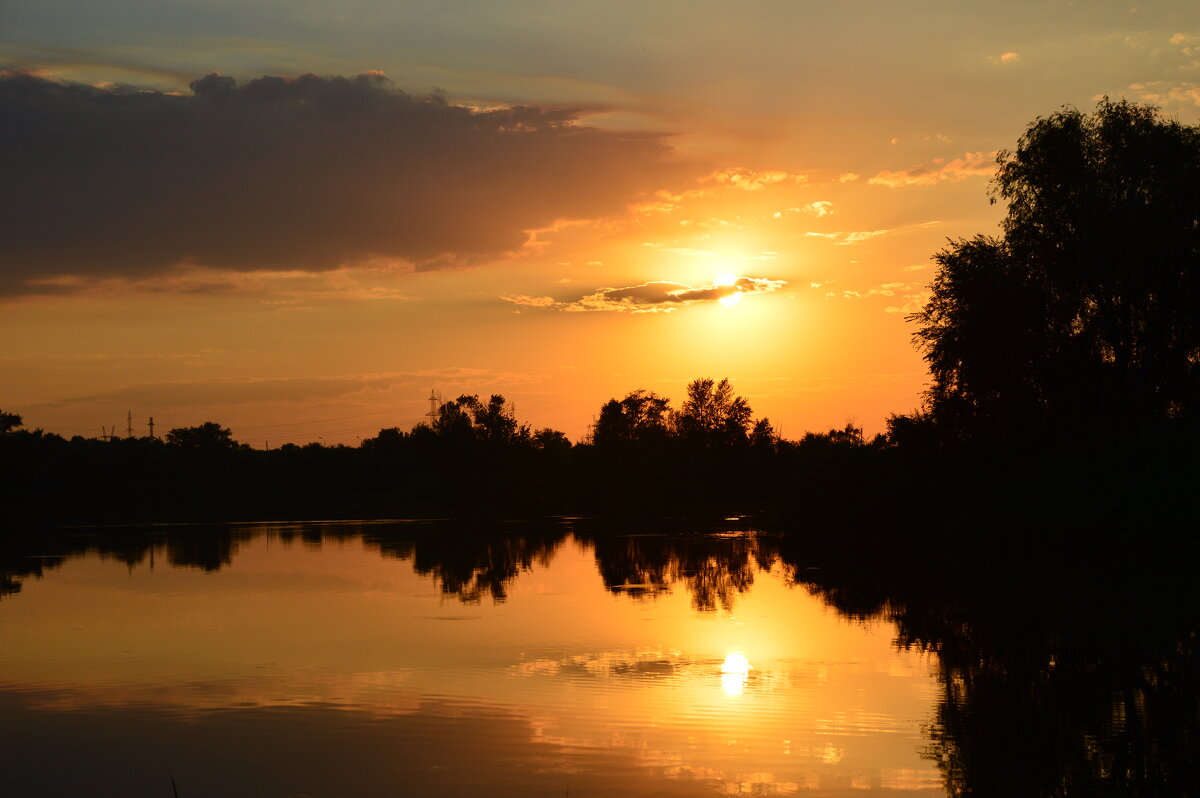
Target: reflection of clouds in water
(620, 670)
(646, 664)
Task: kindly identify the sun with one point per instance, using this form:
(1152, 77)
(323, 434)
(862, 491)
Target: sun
(727, 279)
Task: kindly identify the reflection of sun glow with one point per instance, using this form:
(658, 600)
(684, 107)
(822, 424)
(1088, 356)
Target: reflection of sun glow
(734, 673)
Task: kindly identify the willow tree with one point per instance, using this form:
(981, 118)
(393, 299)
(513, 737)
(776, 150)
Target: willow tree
(1085, 311)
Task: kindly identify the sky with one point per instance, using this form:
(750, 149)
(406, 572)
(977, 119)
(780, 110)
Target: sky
(298, 219)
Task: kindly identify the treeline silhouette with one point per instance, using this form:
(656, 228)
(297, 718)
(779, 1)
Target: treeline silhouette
(473, 459)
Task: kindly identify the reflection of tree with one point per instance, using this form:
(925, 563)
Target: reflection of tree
(1080, 679)
(471, 562)
(1089, 707)
(32, 555)
(715, 570)
(208, 548)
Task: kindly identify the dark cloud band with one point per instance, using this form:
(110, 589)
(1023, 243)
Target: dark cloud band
(305, 173)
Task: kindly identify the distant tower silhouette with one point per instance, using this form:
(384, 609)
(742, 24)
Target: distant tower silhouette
(151, 426)
(129, 424)
(435, 401)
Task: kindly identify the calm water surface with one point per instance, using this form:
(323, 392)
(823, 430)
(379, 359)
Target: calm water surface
(411, 659)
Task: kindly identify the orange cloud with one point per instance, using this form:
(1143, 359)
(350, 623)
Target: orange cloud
(655, 296)
(1168, 94)
(971, 164)
(752, 180)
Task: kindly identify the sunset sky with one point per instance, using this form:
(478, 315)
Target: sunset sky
(298, 218)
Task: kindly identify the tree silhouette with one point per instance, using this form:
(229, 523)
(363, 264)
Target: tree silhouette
(209, 436)
(712, 414)
(640, 416)
(9, 422)
(467, 418)
(1083, 312)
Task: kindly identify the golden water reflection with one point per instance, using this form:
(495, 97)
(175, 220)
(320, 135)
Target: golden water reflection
(735, 672)
(570, 683)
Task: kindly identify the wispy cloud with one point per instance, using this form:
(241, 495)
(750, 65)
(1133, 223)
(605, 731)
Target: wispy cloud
(910, 296)
(208, 392)
(971, 164)
(754, 180)
(1168, 94)
(656, 296)
(854, 237)
(277, 287)
(819, 208)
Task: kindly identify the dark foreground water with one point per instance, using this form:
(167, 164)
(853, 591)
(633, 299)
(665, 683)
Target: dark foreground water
(424, 659)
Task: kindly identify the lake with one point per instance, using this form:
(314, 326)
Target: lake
(549, 659)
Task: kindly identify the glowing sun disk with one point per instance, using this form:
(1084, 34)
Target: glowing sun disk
(725, 280)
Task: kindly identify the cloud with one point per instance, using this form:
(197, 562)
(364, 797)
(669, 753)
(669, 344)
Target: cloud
(846, 239)
(656, 296)
(913, 301)
(848, 177)
(1189, 44)
(285, 287)
(971, 164)
(819, 208)
(1167, 94)
(306, 173)
(754, 180)
(237, 391)
(911, 297)
(1005, 58)
(862, 235)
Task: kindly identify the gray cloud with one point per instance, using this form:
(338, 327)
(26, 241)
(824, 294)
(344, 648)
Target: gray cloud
(235, 391)
(304, 173)
(655, 296)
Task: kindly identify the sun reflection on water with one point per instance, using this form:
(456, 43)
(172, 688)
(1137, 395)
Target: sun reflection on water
(734, 673)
